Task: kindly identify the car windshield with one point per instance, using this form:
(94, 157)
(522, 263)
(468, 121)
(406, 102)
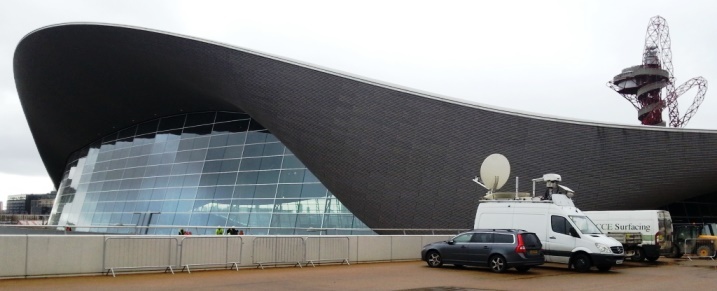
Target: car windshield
(585, 225)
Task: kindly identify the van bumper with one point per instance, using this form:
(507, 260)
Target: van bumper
(605, 259)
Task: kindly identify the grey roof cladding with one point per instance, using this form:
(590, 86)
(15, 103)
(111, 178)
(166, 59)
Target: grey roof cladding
(395, 158)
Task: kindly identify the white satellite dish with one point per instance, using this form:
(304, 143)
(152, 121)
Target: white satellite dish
(494, 171)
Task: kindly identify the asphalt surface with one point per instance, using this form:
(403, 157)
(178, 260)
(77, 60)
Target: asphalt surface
(666, 274)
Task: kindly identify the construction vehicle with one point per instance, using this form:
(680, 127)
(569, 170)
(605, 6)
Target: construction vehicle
(697, 239)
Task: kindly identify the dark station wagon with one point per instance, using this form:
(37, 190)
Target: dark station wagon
(499, 249)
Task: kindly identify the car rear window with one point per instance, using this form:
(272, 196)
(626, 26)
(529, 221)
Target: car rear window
(530, 239)
(502, 238)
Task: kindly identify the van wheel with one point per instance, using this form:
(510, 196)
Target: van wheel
(434, 259)
(675, 252)
(705, 251)
(639, 255)
(581, 262)
(497, 264)
(604, 268)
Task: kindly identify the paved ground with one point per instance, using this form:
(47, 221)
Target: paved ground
(667, 274)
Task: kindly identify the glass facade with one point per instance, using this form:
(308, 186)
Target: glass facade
(196, 170)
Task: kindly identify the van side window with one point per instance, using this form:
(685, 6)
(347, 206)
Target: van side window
(559, 224)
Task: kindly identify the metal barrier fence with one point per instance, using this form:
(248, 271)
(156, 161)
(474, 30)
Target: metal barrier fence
(211, 250)
(327, 249)
(139, 253)
(278, 250)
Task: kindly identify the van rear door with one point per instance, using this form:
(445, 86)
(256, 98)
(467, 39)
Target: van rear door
(559, 243)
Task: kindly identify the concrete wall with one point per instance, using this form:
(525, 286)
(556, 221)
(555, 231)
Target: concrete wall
(53, 255)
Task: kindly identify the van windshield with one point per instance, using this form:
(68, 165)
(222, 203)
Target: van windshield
(585, 225)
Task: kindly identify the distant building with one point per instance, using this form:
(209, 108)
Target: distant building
(1, 208)
(38, 204)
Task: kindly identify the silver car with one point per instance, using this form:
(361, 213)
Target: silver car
(499, 249)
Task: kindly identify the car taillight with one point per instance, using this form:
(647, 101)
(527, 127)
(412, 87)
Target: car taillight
(521, 247)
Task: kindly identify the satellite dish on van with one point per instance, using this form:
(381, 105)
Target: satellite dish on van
(494, 171)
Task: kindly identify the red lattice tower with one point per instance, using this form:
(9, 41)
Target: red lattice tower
(642, 85)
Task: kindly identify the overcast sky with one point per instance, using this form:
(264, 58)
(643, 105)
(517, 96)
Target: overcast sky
(550, 57)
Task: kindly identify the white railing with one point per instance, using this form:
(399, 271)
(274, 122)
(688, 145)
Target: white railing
(62, 255)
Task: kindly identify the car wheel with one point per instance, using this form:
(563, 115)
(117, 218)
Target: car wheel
(581, 262)
(522, 269)
(434, 259)
(604, 268)
(705, 251)
(497, 263)
(639, 255)
(652, 259)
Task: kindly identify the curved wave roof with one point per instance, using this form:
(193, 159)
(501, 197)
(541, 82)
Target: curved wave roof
(395, 157)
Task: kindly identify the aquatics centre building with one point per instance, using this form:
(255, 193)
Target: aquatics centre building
(140, 127)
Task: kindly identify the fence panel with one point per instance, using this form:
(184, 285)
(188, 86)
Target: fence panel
(327, 249)
(139, 253)
(278, 250)
(213, 250)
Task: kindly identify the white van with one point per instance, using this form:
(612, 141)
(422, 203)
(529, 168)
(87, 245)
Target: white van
(655, 226)
(567, 235)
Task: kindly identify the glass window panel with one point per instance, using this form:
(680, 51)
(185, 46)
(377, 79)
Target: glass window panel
(259, 219)
(233, 152)
(158, 194)
(266, 177)
(291, 162)
(202, 205)
(271, 138)
(230, 165)
(199, 118)
(209, 180)
(194, 167)
(244, 191)
(172, 122)
(292, 176)
(199, 219)
(155, 206)
(185, 144)
(272, 149)
(166, 218)
(254, 150)
(308, 220)
(141, 206)
(167, 158)
(181, 219)
(176, 181)
(200, 143)
(171, 146)
(179, 169)
(182, 157)
(154, 160)
(218, 141)
(236, 138)
(161, 182)
(284, 220)
(191, 180)
(227, 178)
(188, 193)
(205, 192)
(212, 166)
(219, 220)
(289, 191)
(247, 178)
(173, 193)
(309, 177)
(313, 190)
(250, 164)
(265, 191)
(223, 192)
(338, 221)
(238, 219)
(170, 206)
(185, 205)
(215, 153)
(232, 126)
(271, 163)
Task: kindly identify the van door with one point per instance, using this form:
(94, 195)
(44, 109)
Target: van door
(559, 243)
